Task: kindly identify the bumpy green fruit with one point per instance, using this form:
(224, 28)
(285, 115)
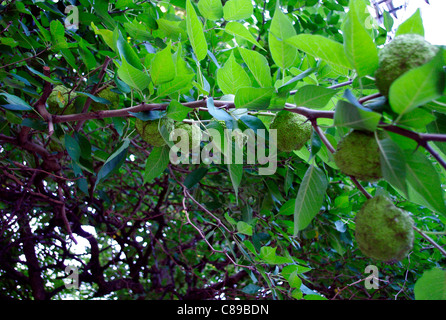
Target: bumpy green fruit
(383, 231)
(403, 53)
(357, 155)
(148, 130)
(293, 130)
(193, 132)
(58, 99)
(108, 94)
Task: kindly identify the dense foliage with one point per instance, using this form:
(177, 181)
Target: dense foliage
(81, 188)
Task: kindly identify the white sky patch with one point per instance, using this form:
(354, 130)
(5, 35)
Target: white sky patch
(433, 15)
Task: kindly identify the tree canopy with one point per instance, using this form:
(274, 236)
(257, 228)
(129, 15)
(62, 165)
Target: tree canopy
(92, 208)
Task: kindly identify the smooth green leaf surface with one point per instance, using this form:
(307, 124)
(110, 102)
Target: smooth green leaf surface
(314, 97)
(359, 47)
(281, 29)
(195, 32)
(236, 175)
(244, 228)
(269, 255)
(211, 9)
(258, 66)
(309, 197)
(113, 163)
(156, 163)
(58, 34)
(413, 25)
(127, 52)
(431, 285)
(44, 77)
(232, 76)
(253, 98)
(321, 47)
(355, 117)
(195, 177)
(15, 103)
(73, 148)
(135, 78)
(162, 68)
(237, 29)
(107, 35)
(393, 164)
(424, 182)
(177, 111)
(237, 9)
(418, 86)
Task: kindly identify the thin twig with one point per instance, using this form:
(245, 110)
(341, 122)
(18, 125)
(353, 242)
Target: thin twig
(63, 214)
(25, 59)
(431, 241)
(93, 91)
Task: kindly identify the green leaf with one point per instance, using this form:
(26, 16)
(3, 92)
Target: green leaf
(253, 98)
(236, 175)
(309, 197)
(195, 32)
(439, 127)
(281, 29)
(101, 10)
(424, 182)
(135, 78)
(237, 29)
(388, 21)
(285, 88)
(232, 76)
(418, 86)
(94, 98)
(211, 9)
(355, 117)
(269, 255)
(359, 47)
(244, 228)
(86, 55)
(417, 118)
(44, 77)
(294, 280)
(45, 34)
(15, 103)
(172, 29)
(315, 97)
(219, 114)
(393, 165)
(195, 176)
(162, 68)
(321, 47)
(414, 25)
(431, 285)
(156, 163)
(58, 35)
(127, 52)
(237, 10)
(287, 209)
(107, 36)
(176, 85)
(73, 148)
(258, 66)
(9, 42)
(138, 31)
(177, 111)
(113, 163)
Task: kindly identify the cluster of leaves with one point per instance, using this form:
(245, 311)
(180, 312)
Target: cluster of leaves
(157, 230)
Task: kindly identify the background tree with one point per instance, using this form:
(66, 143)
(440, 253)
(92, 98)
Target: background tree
(76, 76)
